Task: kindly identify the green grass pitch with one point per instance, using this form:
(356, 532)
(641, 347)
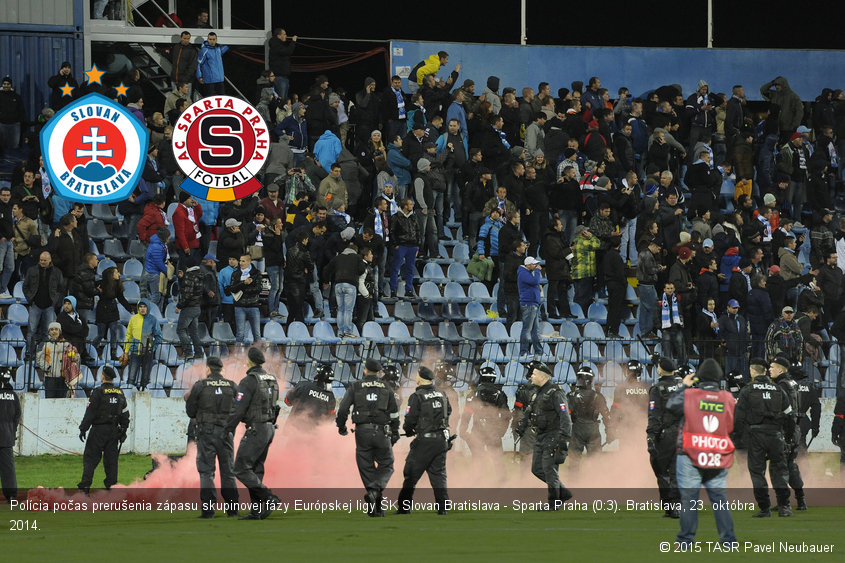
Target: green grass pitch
(503, 535)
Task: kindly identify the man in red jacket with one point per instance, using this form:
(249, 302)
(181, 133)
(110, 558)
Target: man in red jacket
(186, 225)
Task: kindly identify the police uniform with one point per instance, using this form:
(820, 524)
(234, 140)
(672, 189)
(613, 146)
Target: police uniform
(809, 410)
(107, 416)
(10, 417)
(210, 403)
(427, 418)
(630, 401)
(548, 415)
(376, 418)
(662, 430)
(487, 409)
(764, 409)
(837, 429)
(524, 395)
(585, 407)
(255, 405)
(311, 401)
(785, 382)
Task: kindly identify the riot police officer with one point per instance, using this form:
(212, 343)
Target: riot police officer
(525, 392)
(764, 409)
(735, 382)
(376, 418)
(312, 402)
(782, 377)
(487, 409)
(10, 418)
(210, 403)
(444, 379)
(630, 398)
(585, 407)
(256, 404)
(661, 432)
(808, 402)
(427, 418)
(391, 374)
(837, 429)
(548, 414)
(107, 416)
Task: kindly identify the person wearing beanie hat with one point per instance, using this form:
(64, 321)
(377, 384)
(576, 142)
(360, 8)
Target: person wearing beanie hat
(427, 418)
(256, 405)
(552, 426)
(375, 414)
(764, 411)
(661, 433)
(62, 87)
(208, 406)
(107, 416)
(50, 359)
(427, 203)
(186, 226)
(733, 332)
(740, 282)
(706, 465)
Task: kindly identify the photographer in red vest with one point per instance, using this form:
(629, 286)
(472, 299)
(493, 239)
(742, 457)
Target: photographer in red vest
(705, 450)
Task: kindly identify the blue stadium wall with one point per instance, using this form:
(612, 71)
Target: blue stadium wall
(35, 37)
(640, 69)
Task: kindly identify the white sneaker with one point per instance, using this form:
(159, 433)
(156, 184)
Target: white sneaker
(5, 295)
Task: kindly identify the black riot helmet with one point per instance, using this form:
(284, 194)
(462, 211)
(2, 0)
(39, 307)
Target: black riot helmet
(392, 373)
(796, 371)
(585, 376)
(736, 381)
(488, 374)
(635, 369)
(324, 373)
(684, 371)
(444, 372)
(5, 376)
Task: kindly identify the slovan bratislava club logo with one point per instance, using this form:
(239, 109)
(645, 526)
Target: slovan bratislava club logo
(95, 150)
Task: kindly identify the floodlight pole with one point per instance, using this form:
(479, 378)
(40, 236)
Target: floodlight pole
(709, 24)
(523, 39)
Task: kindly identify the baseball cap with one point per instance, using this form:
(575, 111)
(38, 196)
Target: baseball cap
(529, 260)
(803, 129)
(210, 257)
(787, 309)
(707, 243)
(232, 222)
(733, 303)
(775, 269)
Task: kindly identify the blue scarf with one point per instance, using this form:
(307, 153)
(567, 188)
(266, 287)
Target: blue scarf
(504, 137)
(670, 314)
(713, 317)
(400, 103)
(378, 225)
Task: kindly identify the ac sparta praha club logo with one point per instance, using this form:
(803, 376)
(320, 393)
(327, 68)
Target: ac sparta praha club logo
(220, 144)
(95, 150)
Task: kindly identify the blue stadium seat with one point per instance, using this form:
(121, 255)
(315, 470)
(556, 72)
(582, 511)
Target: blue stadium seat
(471, 331)
(17, 314)
(113, 248)
(428, 314)
(86, 378)
(590, 353)
(137, 250)
(460, 253)
(275, 333)
(103, 212)
(222, 331)
(161, 376)
(382, 316)
(169, 334)
(423, 333)
(131, 292)
(454, 293)
(97, 230)
(614, 352)
(13, 335)
(8, 356)
(514, 373)
(564, 373)
(631, 295)
(398, 332)
(104, 265)
(597, 312)
(17, 293)
(433, 272)
(324, 333)
(166, 354)
(478, 292)
(451, 311)
(575, 309)
(404, 311)
(496, 332)
(458, 273)
(374, 333)
(430, 292)
(594, 331)
(569, 330)
(476, 312)
(133, 269)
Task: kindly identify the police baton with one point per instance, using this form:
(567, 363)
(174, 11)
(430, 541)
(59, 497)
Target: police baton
(811, 441)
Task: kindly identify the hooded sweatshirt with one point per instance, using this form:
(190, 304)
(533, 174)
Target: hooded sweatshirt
(143, 332)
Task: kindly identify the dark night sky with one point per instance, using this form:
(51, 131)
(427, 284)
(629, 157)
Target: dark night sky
(647, 23)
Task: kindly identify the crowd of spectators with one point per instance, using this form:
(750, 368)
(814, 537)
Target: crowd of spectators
(718, 221)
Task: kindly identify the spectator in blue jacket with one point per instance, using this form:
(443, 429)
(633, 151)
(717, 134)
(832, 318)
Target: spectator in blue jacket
(227, 302)
(210, 67)
(400, 165)
(296, 128)
(528, 282)
(155, 263)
